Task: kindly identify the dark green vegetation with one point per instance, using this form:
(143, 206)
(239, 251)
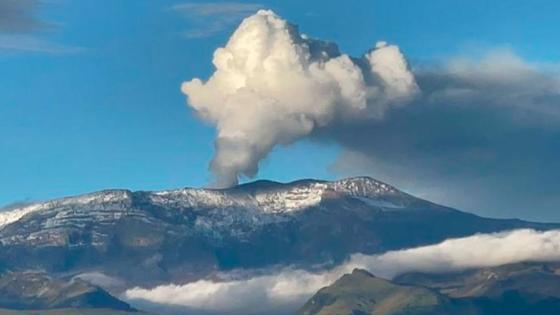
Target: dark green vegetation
(36, 290)
(518, 289)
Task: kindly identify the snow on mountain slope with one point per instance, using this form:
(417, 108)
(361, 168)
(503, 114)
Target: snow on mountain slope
(186, 234)
(94, 201)
(271, 197)
(13, 215)
(261, 198)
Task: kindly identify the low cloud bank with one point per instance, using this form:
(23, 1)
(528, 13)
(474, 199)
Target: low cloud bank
(21, 27)
(102, 280)
(288, 288)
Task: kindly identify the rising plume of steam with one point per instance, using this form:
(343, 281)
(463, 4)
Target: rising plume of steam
(273, 86)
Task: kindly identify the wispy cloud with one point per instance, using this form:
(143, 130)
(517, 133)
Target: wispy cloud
(22, 28)
(34, 44)
(209, 19)
(20, 16)
(288, 288)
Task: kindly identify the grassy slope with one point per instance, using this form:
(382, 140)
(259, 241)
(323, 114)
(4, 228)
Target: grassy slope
(361, 293)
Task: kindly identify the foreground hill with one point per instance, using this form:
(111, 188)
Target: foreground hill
(180, 235)
(36, 290)
(361, 293)
(518, 289)
(521, 289)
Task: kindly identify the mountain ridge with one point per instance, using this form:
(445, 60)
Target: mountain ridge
(354, 184)
(187, 234)
(32, 289)
(525, 288)
(268, 196)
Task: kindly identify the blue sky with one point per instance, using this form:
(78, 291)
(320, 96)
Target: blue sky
(90, 98)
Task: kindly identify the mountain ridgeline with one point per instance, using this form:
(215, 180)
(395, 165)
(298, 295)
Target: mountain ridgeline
(37, 290)
(516, 289)
(186, 234)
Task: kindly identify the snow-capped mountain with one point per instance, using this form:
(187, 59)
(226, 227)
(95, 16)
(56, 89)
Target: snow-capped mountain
(189, 233)
(262, 196)
(254, 204)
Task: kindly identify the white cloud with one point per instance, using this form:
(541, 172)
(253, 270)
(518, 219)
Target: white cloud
(258, 295)
(273, 86)
(288, 288)
(102, 280)
(19, 25)
(481, 250)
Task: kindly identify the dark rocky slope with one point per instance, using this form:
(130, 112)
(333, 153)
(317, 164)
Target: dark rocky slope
(38, 291)
(186, 234)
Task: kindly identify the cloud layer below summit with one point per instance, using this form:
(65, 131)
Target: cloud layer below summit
(288, 288)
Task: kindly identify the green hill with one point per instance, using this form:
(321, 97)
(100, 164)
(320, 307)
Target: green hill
(516, 289)
(361, 293)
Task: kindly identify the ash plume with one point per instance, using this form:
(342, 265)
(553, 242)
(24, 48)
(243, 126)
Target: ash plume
(274, 86)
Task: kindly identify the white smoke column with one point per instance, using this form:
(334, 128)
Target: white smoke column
(273, 86)
(291, 287)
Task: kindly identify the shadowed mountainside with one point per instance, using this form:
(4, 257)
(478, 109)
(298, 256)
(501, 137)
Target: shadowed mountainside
(37, 290)
(186, 234)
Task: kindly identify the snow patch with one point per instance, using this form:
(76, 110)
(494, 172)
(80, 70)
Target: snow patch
(96, 200)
